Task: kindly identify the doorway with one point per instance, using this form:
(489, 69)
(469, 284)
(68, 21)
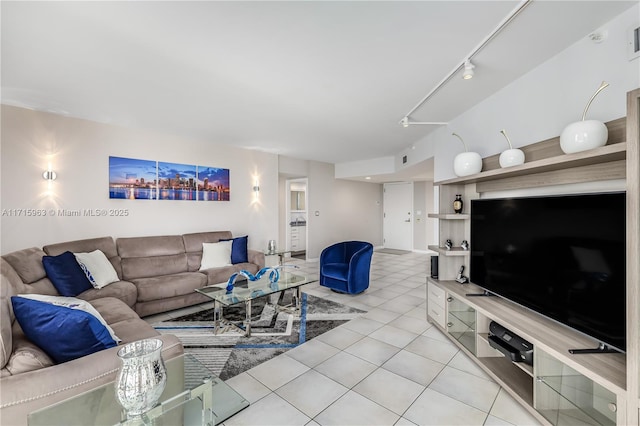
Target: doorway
(397, 223)
(296, 201)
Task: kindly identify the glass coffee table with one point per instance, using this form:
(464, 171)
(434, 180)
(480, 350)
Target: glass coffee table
(193, 396)
(252, 291)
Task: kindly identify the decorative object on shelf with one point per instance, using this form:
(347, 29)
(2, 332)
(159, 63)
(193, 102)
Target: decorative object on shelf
(512, 156)
(274, 275)
(458, 204)
(448, 244)
(462, 279)
(271, 247)
(464, 244)
(142, 377)
(586, 134)
(466, 163)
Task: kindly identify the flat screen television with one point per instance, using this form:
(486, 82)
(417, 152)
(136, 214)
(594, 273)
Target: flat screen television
(561, 256)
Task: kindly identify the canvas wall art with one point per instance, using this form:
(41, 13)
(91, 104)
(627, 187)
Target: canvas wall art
(213, 184)
(132, 179)
(176, 181)
(135, 179)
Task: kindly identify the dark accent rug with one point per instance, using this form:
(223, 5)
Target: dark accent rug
(230, 353)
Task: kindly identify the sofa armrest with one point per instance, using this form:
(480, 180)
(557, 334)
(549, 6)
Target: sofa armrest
(28, 392)
(256, 257)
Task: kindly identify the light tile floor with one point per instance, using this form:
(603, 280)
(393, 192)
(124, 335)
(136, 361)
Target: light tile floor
(388, 367)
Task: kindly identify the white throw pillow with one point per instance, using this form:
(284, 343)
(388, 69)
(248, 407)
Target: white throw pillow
(215, 255)
(97, 267)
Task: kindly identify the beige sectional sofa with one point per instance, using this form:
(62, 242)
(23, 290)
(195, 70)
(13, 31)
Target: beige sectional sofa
(157, 274)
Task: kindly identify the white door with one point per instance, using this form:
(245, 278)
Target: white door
(398, 221)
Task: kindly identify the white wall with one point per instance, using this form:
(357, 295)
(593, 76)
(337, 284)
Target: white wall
(79, 152)
(420, 215)
(542, 102)
(347, 210)
(371, 167)
(431, 224)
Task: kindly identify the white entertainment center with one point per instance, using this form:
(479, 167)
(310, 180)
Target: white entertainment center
(560, 388)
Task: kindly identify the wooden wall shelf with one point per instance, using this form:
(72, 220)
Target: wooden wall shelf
(605, 154)
(455, 251)
(449, 216)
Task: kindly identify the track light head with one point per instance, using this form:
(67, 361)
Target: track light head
(468, 70)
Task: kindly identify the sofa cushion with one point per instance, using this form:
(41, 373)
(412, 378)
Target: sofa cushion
(123, 290)
(66, 274)
(193, 245)
(216, 255)
(165, 286)
(66, 328)
(144, 257)
(27, 357)
(239, 250)
(113, 310)
(133, 329)
(28, 264)
(105, 244)
(97, 268)
(336, 271)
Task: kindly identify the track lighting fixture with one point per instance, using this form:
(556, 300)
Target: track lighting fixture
(468, 66)
(406, 123)
(468, 70)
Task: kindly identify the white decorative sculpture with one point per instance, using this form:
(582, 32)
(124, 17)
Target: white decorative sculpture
(512, 156)
(586, 134)
(466, 163)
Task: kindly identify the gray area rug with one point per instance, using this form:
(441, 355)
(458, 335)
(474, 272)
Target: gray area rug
(392, 251)
(230, 353)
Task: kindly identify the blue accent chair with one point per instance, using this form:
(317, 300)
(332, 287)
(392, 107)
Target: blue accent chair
(344, 267)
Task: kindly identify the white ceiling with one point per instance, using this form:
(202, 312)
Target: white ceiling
(318, 80)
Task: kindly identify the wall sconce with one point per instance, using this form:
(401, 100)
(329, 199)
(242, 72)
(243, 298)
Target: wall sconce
(49, 175)
(256, 189)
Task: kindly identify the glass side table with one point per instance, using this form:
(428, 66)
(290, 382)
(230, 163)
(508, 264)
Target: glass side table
(280, 253)
(193, 396)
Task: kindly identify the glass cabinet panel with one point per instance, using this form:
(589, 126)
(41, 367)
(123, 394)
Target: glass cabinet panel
(461, 323)
(565, 397)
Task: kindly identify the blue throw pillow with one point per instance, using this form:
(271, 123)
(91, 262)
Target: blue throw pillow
(63, 332)
(239, 250)
(66, 274)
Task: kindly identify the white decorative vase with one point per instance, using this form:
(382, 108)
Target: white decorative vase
(467, 163)
(583, 135)
(142, 377)
(586, 134)
(511, 157)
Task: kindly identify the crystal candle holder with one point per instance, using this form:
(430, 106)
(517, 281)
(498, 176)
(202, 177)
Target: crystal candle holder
(142, 377)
